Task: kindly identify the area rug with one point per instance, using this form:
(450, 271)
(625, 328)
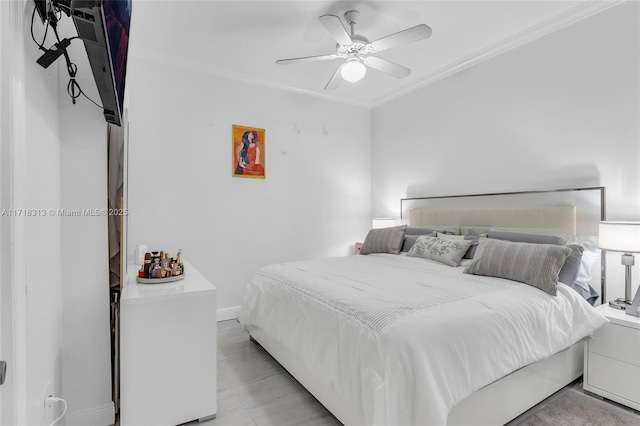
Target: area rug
(573, 408)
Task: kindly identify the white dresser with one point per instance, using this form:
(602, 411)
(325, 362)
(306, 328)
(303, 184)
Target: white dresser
(612, 359)
(167, 351)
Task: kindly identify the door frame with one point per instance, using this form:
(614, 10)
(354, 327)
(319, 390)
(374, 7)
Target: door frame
(13, 293)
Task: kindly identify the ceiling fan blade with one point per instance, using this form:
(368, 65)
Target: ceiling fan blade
(416, 33)
(334, 25)
(335, 80)
(388, 67)
(307, 59)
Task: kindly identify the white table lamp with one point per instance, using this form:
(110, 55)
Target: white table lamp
(382, 222)
(623, 237)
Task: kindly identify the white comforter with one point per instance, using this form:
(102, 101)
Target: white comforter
(402, 339)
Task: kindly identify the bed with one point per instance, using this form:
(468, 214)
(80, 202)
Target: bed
(399, 339)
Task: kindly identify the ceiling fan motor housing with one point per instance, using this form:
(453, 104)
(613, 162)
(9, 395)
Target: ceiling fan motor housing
(359, 45)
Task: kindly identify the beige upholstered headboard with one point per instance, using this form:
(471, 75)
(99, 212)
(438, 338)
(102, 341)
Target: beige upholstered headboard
(532, 219)
(575, 211)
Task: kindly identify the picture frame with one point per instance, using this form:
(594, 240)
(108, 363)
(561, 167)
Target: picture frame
(248, 152)
(634, 309)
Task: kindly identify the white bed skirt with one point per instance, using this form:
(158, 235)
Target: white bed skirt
(495, 404)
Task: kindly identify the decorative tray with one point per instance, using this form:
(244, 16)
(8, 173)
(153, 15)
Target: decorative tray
(159, 280)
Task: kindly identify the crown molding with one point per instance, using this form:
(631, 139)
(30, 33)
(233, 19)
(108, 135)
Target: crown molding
(182, 62)
(582, 11)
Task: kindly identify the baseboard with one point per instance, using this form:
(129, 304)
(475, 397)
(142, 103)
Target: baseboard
(101, 415)
(225, 314)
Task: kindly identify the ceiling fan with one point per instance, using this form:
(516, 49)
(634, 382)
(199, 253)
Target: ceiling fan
(358, 50)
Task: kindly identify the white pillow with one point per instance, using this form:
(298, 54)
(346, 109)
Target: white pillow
(590, 256)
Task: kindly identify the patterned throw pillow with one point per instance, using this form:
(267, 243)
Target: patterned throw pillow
(471, 235)
(449, 252)
(384, 240)
(535, 264)
(410, 240)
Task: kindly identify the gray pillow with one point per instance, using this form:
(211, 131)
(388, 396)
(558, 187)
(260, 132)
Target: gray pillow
(524, 237)
(449, 252)
(474, 237)
(410, 240)
(384, 240)
(569, 270)
(535, 264)
(428, 229)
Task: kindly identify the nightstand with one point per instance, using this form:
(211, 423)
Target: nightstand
(612, 359)
(168, 350)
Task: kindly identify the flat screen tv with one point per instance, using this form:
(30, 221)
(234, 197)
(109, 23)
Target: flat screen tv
(103, 26)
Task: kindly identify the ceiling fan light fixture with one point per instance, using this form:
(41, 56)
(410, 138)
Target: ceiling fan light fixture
(357, 50)
(353, 70)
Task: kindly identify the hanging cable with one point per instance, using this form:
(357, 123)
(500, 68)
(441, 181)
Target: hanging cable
(52, 399)
(46, 30)
(73, 88)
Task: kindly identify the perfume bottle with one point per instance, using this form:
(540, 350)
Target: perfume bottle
(147, 265)
(179, 264)
(154, 269)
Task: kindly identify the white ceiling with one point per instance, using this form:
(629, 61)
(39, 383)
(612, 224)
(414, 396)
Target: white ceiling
(243, 39)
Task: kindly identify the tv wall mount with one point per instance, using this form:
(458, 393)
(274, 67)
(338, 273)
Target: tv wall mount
(88, 18)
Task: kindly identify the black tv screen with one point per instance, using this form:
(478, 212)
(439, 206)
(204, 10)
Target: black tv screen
(104, 28)
(117, 14)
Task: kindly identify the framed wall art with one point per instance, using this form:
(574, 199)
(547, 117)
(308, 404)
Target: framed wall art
(248, 152)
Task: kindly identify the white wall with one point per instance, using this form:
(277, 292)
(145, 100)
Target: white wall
(42, 233)
(562, 111)
(86, 345)
(86, 365)
(315, 200)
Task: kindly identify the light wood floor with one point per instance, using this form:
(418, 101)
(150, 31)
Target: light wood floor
(254, 390)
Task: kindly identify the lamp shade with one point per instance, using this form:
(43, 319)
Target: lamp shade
(382, 222)
(620, 236)
(353, 70)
